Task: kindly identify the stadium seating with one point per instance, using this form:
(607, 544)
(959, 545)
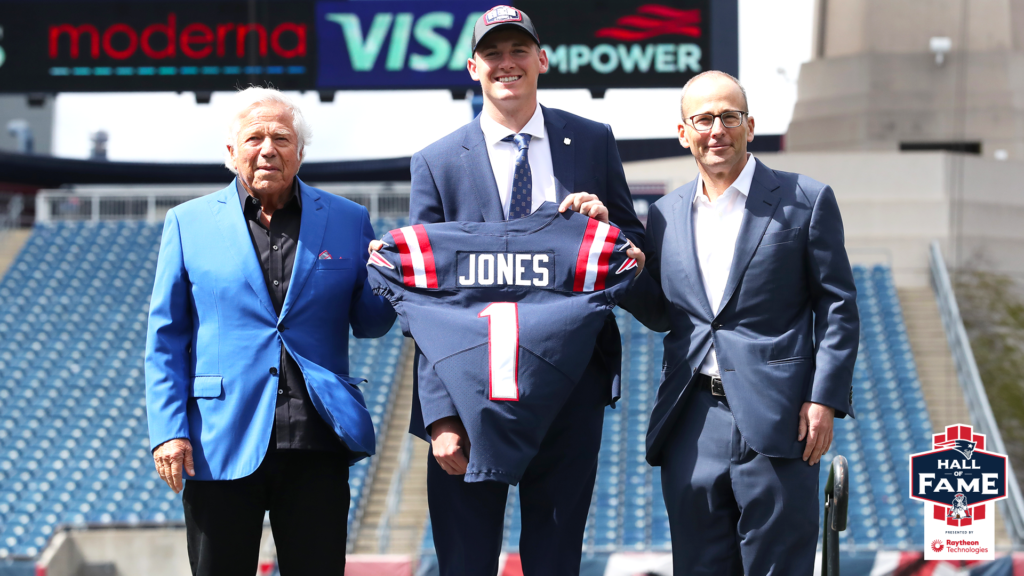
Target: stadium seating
(627, 510)
(74, 445)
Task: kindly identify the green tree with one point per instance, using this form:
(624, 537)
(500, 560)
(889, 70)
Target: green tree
(993, 312)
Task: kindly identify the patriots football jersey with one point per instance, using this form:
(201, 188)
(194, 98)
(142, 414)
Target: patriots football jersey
(507, 314)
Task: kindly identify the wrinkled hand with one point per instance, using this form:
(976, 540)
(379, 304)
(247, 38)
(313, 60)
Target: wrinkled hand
(170, 457)
(587, 204)
(374, 246)
(816, 426)
(450, 443)
(638, 254)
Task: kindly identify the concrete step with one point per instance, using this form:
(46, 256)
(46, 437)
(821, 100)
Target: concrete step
(387, 465)
(11, 243)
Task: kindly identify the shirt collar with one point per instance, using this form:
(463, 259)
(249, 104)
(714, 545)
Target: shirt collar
(243, 196)
(494, 132)
(741, 184)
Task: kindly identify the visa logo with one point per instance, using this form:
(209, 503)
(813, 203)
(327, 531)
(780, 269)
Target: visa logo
(391, 35)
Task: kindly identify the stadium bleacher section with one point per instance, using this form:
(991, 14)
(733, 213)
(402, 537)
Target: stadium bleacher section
(73, 431)
(74, 445)
(627, 511)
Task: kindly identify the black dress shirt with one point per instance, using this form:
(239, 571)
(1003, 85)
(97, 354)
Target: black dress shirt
(297, 424)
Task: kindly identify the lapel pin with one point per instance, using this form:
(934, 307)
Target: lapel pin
(567, 141)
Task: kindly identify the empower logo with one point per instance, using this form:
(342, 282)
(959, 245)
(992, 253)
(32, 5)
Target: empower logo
(649, 21)
(653, 20)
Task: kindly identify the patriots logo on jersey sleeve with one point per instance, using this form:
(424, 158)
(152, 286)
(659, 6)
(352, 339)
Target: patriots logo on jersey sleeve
(630, 263)
(377, 260)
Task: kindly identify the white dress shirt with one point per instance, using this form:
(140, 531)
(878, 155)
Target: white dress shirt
(503, 159)
(716, 227)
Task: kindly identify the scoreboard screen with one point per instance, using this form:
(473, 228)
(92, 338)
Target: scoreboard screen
(208, 45)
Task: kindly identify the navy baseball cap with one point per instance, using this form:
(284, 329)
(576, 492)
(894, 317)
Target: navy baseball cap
(502, 17)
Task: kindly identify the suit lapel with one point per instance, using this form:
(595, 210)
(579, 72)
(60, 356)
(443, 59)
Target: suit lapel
(759, 209)
(481, 178)
(311, 237)
(562, 154)
(227, 211)
(688, 243)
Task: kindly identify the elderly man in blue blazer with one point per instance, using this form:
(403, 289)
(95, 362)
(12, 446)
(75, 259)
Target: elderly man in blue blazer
(247, 382)
(747, 271)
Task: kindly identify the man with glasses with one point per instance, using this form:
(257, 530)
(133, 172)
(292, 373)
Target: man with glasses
(747, 271)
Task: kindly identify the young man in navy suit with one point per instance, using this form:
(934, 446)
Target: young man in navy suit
(503, 165)
(747, 271)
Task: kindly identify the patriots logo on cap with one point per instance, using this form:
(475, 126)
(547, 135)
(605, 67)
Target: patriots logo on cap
(377, 260)
(500, 14)
(629, 264)
(325, 255)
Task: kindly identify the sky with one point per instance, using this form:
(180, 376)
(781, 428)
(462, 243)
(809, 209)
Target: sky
(775, 39)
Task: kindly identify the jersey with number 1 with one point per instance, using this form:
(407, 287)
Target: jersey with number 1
(507, 314)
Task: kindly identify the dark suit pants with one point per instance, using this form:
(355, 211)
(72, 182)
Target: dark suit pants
(554, 494)
(307, 495)
(731, 510)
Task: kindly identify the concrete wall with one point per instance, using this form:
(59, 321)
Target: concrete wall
(875, 82)
(145, 551)
(894, 204)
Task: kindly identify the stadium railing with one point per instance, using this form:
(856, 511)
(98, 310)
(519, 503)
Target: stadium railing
(151, 203)
(837, 494)
(974, 390)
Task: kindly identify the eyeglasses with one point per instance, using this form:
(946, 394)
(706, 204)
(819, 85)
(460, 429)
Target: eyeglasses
(704, 122)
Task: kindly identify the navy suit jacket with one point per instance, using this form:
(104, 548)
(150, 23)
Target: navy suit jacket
(213, 350)
(788, 329)
(452, 181)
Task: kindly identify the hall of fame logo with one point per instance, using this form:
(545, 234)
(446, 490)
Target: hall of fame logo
(958, 481)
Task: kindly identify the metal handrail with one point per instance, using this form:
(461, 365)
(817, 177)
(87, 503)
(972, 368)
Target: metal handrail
(837, 496)
(974, 390)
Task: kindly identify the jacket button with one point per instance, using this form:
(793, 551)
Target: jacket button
(273, 371)
(716, 325)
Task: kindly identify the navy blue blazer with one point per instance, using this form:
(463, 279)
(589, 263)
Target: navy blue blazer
(452, 181)
(788, 328)
(213, 349)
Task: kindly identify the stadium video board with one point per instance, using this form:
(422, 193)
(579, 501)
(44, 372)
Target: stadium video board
(188, 45)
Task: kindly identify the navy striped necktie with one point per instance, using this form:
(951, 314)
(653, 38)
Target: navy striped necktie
(522, 178)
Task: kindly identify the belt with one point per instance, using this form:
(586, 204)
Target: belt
(711, 384)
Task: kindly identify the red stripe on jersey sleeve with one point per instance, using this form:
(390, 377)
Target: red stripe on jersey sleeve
(584, 256)
(606, 254)
(428, 255)
(408, 272)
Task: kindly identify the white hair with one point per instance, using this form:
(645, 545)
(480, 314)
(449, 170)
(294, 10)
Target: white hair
(254, 96)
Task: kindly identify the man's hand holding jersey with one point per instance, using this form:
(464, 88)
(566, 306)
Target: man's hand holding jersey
(584, 203)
